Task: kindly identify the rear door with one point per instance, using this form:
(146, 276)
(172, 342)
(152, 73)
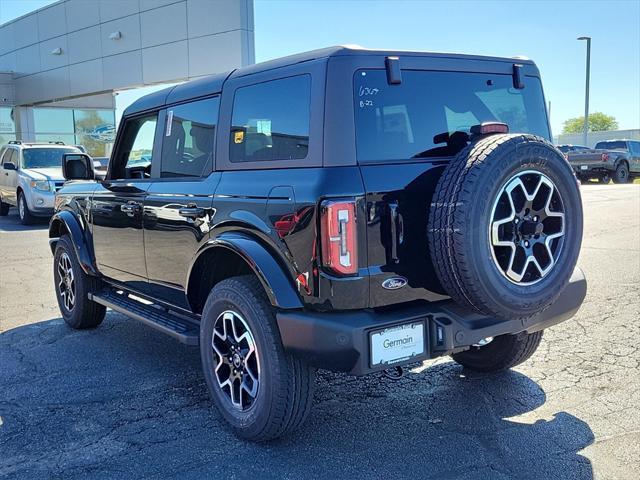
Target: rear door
(117, 204)
(634, 160)
(177, 208)
(9, 178)
(405, 135)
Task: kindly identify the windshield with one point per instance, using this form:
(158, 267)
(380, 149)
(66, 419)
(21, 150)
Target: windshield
(616, 145)
(395, 122)
(44, 157)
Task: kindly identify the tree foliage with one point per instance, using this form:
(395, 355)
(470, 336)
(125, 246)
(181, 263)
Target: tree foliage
(598, 122)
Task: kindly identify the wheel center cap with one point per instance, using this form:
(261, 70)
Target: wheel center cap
(529, 228)
(237, 360)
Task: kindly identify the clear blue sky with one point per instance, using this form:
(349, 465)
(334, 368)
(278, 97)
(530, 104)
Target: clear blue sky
(545, 31)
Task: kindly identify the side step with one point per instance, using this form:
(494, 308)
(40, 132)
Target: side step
(177, 326)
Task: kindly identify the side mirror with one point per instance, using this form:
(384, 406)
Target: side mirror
(9, 166)
(77, 166)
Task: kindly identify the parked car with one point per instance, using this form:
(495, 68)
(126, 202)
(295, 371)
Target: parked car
(30, 174)
(610, 159)
(566, 148)
(344, 209)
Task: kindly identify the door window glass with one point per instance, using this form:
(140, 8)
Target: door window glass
(271, 120)
(187, 145)
(11, 156)
(135, 151)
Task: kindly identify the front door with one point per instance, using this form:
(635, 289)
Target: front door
(177, 209)
(117, 204)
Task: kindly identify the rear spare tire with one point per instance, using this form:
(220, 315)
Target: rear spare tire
(505, 225)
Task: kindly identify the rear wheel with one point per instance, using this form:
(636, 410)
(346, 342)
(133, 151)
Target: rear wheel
(26, 217)
(4, 208)
(260, 390)
(501, 353)
(72, 288)
(621, 174)
(604, 179)
(505, 226)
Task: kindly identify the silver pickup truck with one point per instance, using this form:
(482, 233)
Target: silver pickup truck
(610, 159)
(30, 174)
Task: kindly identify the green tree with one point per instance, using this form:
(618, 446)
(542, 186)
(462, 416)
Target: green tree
(598, 122)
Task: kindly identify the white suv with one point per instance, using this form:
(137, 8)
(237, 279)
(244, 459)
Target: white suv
(30, 174)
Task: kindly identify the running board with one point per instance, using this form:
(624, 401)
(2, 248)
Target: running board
(181, 328)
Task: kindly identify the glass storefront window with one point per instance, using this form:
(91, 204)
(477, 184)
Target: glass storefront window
(53, 120)
(7, 126)
(66, 138)
(95, 130)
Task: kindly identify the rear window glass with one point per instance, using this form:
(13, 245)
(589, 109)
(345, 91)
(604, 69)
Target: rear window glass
(396, 122)
(612, 145)
(271, 120)
(45, 157)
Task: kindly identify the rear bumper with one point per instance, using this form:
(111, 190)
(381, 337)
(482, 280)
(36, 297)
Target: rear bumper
(593, 169)
(340, 341)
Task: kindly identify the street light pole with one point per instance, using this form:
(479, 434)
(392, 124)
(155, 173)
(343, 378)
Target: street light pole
(586, 92)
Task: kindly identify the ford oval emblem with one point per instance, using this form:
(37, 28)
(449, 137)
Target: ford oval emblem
(394, 283)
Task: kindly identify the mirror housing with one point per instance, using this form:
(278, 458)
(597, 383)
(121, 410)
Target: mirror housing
(9, 166)
(77, 166)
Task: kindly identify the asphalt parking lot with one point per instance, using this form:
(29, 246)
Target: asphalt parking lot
(124, 401)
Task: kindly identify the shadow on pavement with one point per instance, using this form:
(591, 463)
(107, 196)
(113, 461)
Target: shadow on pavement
(123, 401)
(11, 223)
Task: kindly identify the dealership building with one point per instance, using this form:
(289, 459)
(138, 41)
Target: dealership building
(61, 66)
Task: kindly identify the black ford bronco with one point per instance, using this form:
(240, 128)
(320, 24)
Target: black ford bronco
(344, 209)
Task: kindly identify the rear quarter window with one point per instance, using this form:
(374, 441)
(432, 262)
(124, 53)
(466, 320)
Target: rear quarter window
(396, 122)
(270, 120)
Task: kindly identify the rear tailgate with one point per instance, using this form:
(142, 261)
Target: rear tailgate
(586, 157)
(401, 161)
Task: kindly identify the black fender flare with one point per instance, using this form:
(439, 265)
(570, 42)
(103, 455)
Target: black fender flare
(276, 282)
(79, 237)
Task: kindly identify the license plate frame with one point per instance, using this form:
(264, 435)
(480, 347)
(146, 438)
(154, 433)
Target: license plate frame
(397, 343)
(584, 167)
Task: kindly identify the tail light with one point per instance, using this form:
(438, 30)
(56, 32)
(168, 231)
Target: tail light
(339, 236)
(605, 157)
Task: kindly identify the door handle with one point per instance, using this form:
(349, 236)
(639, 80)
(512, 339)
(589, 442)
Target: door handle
(397, 230)
(191, 211)
(130, 208)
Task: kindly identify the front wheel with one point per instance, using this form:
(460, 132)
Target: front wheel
(501, 353)
(260, 390)
(621, 174)
(26, 217)
(72, 288)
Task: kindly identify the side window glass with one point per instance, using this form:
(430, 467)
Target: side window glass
(635, 148)
(11, 156)
(187, 145)
(270, 121)
(135, 152)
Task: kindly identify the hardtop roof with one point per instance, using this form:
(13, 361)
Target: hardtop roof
(213, 84)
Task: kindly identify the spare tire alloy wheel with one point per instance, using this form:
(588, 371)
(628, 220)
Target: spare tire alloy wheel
(527, 227)
(505, 226)
(237, 367)
(66, 282)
